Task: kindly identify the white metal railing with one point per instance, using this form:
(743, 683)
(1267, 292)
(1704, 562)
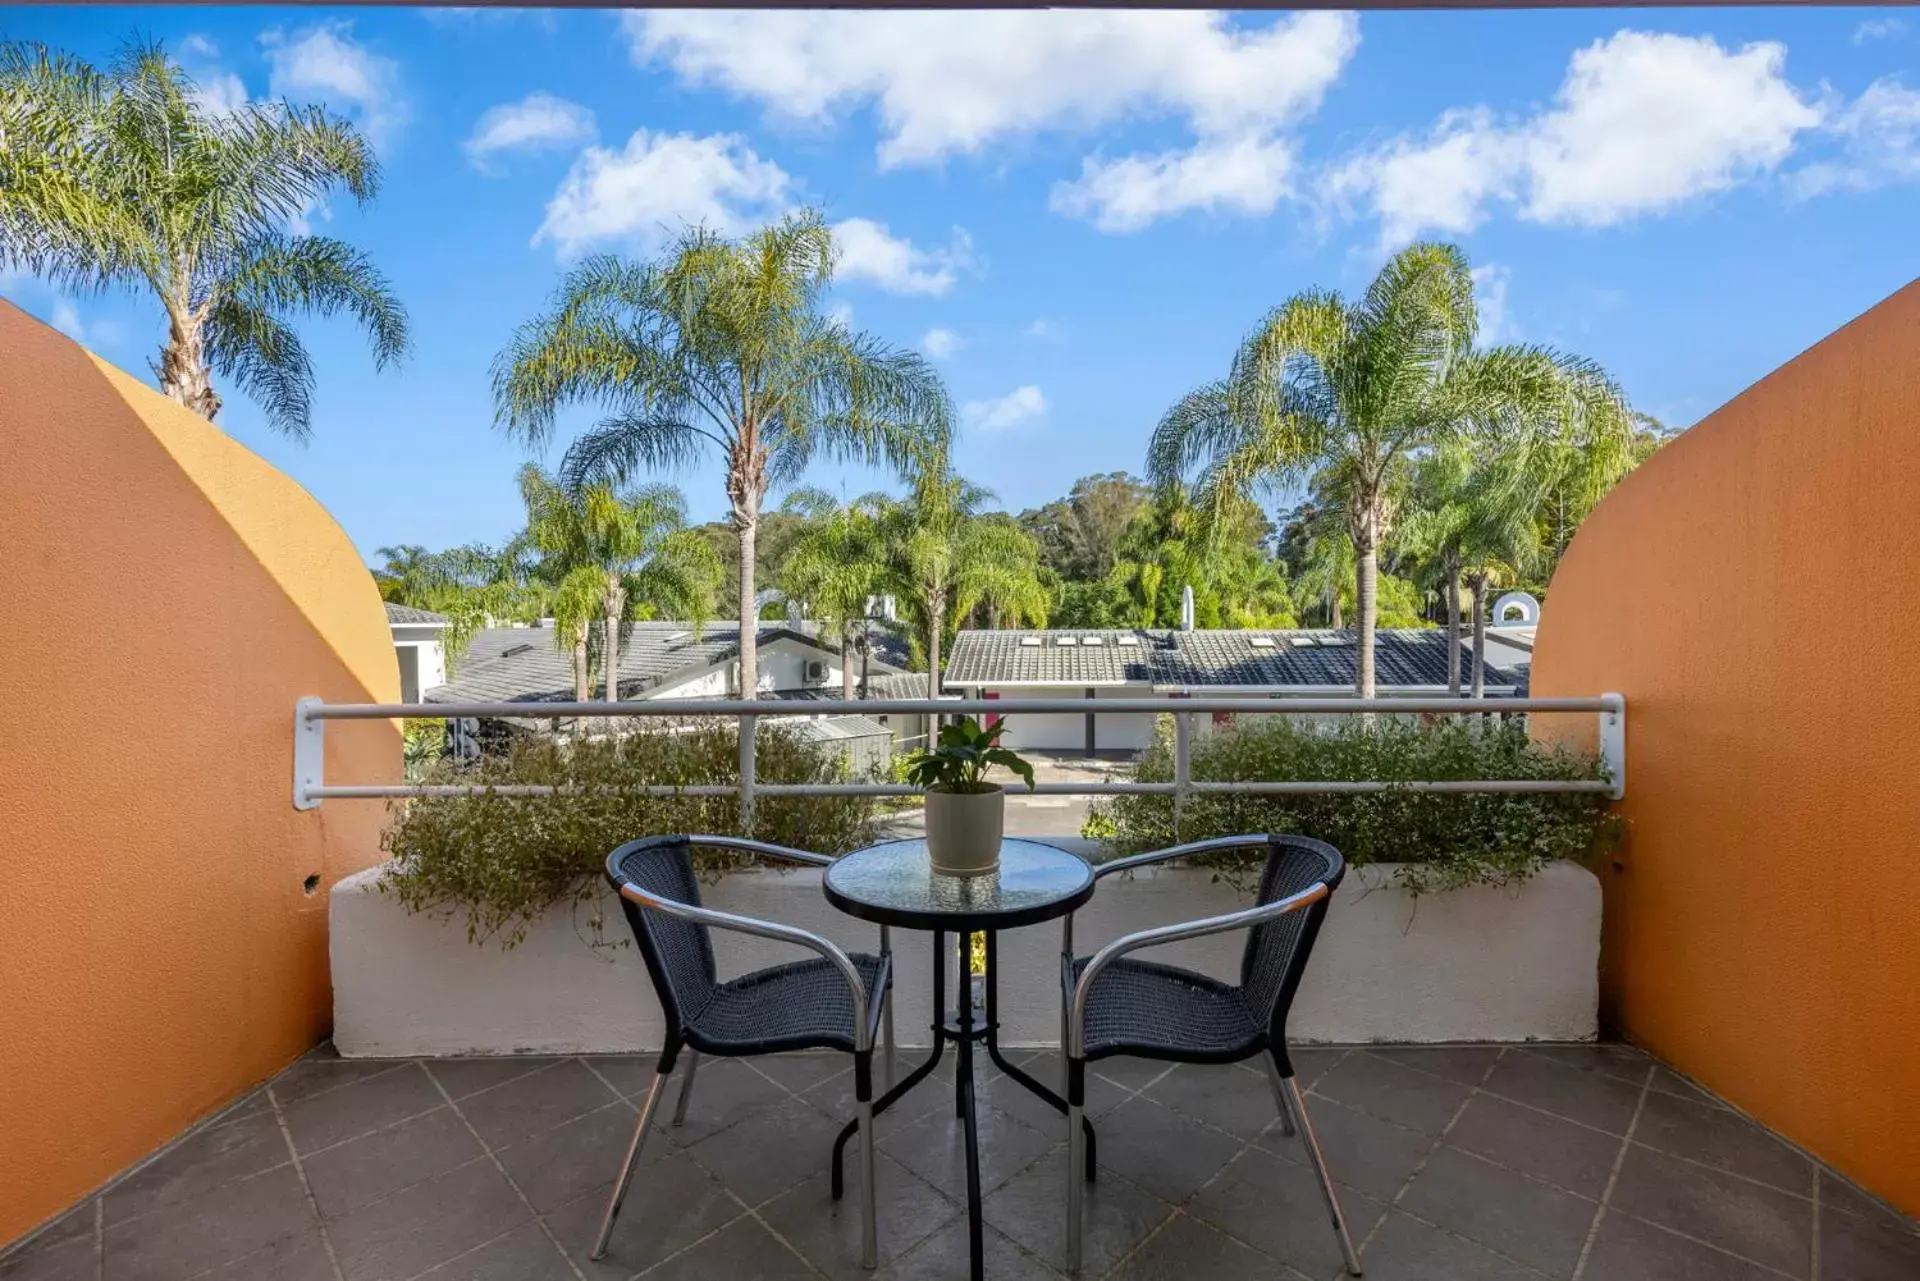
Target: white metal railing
(311, 715)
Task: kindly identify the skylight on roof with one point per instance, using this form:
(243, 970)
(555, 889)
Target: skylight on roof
(1299, 641)
(1066, 640)
(1030, 642)
(1261, 642)
(1131, 642)
(1092, 640)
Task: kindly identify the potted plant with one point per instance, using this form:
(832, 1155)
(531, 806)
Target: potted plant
(965, 813)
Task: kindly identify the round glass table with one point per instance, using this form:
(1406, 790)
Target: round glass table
(894, 884)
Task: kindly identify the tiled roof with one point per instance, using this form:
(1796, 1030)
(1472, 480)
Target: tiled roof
(1172, 659)
(408, 614)
(522, 664)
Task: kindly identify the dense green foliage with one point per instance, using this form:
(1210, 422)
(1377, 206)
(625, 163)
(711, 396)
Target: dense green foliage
(1442, 840)
(503, 860)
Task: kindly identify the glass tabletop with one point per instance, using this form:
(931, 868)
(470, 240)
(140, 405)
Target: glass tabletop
(894, 883)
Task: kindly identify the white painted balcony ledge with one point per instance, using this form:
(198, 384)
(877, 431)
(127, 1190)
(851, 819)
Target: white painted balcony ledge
(1479, 964)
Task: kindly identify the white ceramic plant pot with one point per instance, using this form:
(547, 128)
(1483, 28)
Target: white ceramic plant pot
(963, 831)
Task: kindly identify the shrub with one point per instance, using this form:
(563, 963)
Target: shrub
(504, 860)
(1444, 840)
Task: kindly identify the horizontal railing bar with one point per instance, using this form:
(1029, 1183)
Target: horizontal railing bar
(697, 708)
(1304, 788)
(1509, 786)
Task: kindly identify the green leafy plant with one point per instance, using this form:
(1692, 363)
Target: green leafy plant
(1439, 840)
(504, 860)
(960, 759)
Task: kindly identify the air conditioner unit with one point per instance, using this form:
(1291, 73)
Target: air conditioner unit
(816, 671)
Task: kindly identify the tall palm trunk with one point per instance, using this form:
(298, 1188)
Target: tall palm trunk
(616, 601)
(1333, 606)
(1452, 559)
(937, 612)
(747, 523)
(184, 373)
(582, 676)
(1366, 584)
(846, 661)
(1479, 582)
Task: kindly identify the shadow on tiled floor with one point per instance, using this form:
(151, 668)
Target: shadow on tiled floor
(1591, 1163)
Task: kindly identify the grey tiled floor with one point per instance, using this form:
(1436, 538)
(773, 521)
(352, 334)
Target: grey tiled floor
(1585, 1162)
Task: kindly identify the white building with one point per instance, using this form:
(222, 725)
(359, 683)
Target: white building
(418, 642)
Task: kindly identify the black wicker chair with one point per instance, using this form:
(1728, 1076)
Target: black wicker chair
(823, 1003)
(1112, 1004)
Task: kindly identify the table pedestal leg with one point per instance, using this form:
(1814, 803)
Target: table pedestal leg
(963, 1091)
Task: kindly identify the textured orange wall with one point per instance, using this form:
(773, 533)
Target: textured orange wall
(169, 596)
(1754, 591)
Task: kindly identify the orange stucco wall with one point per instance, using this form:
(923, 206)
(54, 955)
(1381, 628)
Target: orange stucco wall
(168, 597)
(1754, 591)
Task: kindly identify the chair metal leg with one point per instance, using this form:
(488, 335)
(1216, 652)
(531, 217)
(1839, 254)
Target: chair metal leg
(686, 1089)
(1075, 1187)
(886, 1033)
(1319, 1160)
(626, 1167)
(1279, 1096)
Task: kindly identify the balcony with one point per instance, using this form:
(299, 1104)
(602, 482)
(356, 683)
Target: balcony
(1470, 1161)
(165, 947)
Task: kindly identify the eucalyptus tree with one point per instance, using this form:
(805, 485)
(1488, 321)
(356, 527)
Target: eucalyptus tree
(836, 566)
(719, 346)
(628, 551)
(1363, 386)
(128, 178)
(946, 556)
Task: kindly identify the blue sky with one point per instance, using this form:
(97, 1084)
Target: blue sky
(1078, 214)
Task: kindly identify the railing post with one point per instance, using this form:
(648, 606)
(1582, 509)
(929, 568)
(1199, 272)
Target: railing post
(1182, 763)
(309, 754)
(749, 731)
(1613, 742)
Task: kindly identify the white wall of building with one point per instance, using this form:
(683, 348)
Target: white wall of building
(784, 665)
(1067, 731)
(422, 657)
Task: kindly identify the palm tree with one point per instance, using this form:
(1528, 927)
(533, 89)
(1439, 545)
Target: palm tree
(721, 344)
(835, 566)
(126, 178)
(1359, 388)
(630, 552)
(945, 558)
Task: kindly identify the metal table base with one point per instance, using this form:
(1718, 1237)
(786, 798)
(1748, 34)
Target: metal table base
(963, 1032)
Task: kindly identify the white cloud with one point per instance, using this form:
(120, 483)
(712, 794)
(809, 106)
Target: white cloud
(1879, 29)
(1246, 175)
(869, 252)
(940, 343)
(659, 182)
(301, 224)
(954, 82)
(1044, 330)
(1490, 282)
(964, 83)
(840, 312)
(1018, 407)
(324, 62)
(1642, 123)
(216, 90)
(1879, 137)
(538, 122)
